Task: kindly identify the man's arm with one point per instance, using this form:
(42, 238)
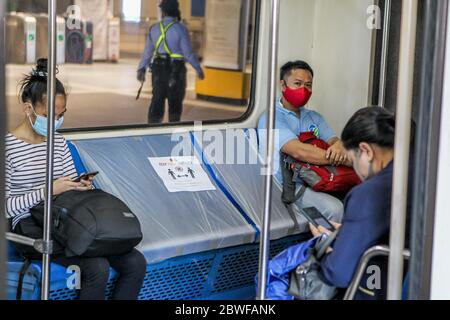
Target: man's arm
(306, 153)
(336, 153)
(333, 140)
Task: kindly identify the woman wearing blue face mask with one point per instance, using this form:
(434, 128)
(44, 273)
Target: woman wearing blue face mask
(25, 183)
(26, 148)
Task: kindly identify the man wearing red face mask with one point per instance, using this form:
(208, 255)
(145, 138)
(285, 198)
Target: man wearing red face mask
(292, 118)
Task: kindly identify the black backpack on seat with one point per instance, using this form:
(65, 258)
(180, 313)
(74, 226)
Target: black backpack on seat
(91, 224)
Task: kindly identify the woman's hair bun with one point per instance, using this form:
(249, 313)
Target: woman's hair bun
(33, 87)
(41, 65)
(41, 69)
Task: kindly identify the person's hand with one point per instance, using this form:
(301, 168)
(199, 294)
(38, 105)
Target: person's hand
(317, 232)
(88, 183)
(65, 184)
(321, 230)
(336, 154)
(201, 75)
(141, 75)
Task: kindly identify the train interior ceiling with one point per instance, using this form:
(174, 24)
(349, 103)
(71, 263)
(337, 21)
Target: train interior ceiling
(340, 39)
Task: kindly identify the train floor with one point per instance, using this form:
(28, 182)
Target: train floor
(104, 94)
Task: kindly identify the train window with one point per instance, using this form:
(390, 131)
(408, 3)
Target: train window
(101, 45)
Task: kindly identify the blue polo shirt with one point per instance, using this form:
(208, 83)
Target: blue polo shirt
(288, 127)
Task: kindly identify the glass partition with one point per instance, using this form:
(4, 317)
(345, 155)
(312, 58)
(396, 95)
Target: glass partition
(102, 43)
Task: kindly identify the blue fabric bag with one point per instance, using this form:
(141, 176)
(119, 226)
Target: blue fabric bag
(282, 265)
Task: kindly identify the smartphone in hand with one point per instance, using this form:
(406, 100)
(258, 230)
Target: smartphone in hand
(85, 176)
(317, 219)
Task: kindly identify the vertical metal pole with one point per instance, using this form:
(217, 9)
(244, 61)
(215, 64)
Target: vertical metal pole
(440, 277)
(3, 255)
(51, 81)
(431, 81)
(402, 148)
(265, 232)
(384, 52)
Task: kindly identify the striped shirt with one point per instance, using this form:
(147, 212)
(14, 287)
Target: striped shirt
(25, 173)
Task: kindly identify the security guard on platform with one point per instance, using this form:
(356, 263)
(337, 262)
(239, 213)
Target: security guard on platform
(168, 47)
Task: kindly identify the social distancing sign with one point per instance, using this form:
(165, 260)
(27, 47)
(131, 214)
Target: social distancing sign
(182, 174)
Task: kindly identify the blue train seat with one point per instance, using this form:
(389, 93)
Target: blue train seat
(241, 174)
(173, 224)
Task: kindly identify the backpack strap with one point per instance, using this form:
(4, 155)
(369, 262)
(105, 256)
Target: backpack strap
(292, 213)
(289, 197)
(22, 272)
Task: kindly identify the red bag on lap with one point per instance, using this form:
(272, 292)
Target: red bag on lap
(329, 179)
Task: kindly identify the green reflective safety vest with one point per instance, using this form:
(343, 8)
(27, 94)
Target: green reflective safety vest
(162, 39)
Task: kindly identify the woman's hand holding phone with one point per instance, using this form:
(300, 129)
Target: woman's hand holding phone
(87, 182)
(320, 230)
(65, 184)
(86, 176)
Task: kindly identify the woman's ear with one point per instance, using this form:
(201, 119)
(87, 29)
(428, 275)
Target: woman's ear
(28, 109)
(367, 148)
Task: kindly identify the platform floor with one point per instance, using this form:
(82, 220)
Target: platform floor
(103, 94)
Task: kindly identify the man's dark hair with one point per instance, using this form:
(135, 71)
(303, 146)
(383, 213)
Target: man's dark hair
(293, 65)
(171, 8)
(371, 125)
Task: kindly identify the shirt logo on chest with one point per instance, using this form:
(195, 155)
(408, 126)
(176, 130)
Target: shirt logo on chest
(314, 129)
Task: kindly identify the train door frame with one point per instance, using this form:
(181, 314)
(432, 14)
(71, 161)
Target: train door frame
(3, 222)
(429, 66)
(430, 84)
(440, 278)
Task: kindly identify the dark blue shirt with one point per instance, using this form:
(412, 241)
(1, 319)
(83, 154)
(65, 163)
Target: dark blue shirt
(177, 39)
(366, 224)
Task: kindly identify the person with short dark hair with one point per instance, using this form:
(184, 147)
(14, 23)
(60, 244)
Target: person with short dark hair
(25, 174)
(368, 138)
(293, 118)
(168, 47)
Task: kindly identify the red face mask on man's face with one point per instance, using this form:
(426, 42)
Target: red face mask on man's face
(297, 97)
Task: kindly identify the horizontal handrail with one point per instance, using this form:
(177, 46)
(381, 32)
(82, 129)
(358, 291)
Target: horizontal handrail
(367, 256)
(40, 245)
(20, 239)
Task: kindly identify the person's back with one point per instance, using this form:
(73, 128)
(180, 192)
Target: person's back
(176, 38)
(167, 48)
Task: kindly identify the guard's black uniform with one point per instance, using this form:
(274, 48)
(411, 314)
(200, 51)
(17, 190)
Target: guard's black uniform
(169, 81)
